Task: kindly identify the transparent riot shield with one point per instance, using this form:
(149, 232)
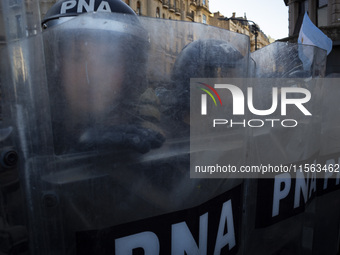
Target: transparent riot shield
(327, 220)
(281, 210)
(99, 113)
(19, 20)
(282, 66)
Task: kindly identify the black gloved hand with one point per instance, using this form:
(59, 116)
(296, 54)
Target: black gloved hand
(131, 137)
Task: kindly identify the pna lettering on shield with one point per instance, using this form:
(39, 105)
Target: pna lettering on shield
(182, 240)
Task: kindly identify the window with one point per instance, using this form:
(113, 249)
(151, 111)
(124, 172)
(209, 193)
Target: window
(204, 2)
(163, 16)
(204, 19)
(322, 3)
(322, 9)
(158, 14)
(139, 10)
(13, 3)
(18, 23)
(306, 7)
(31, 30)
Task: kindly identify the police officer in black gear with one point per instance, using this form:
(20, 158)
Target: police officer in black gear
(96, 75)
(203, 58)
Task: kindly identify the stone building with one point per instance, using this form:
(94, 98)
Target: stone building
(325, 14)
(188, 10)
(240, 26)
(184, 10)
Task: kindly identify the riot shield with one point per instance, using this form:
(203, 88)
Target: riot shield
(282, 209)
(98, 111)
(19, 20)
(282, 66)
(326, 237)
(103, 139)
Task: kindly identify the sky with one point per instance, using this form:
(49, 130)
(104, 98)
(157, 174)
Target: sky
(270, 15)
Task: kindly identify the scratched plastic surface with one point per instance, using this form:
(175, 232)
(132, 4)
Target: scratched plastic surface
(88, 107)
(104, 92)
(292, 66)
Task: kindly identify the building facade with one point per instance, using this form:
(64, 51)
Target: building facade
(325, 14)
(183, 10)
(187, 10)
(242, 27)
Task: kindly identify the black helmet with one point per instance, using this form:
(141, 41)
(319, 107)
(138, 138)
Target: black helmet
(205, 58)
(66, 9)
(96, 64)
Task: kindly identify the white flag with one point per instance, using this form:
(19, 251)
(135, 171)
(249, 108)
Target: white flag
(311, 35)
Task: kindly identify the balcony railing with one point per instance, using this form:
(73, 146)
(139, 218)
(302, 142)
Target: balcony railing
(190, 15)
(177, 11)
(171, 8)
(166, 3)
(193, 2)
